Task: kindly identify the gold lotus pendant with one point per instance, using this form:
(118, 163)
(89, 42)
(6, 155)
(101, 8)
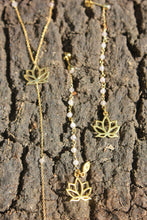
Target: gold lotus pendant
(80, 190)
(106, 128)
(36, 75)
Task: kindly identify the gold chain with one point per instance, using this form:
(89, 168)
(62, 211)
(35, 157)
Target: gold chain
(78, 190)
(41, 154)
(67, 57)
(90, 3)
(103, 49)
(104, 128)
(25, 32)
(41, 77)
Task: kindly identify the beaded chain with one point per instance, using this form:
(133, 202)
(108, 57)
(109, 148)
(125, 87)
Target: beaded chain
(104, 128)
(73, 188)
(102, 58)
(70, 108)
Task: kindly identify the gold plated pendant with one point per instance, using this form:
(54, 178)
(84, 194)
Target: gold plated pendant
(106, 128)
(80, 190)
(36, 75)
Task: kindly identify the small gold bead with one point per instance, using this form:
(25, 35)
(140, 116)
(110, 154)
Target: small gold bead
(88, 4)
(67, 56)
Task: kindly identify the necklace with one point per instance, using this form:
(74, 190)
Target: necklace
(37, 76)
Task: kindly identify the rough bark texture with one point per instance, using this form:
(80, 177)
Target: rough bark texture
(117, 175)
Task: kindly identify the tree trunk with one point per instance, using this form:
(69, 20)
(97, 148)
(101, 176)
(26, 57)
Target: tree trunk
(118, 165)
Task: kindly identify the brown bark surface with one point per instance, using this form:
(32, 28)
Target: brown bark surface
(118, 174)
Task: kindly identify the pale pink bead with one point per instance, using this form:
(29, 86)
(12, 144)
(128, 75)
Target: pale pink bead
(103, 91)
(71, 89)
(108, 6)
(42, 160)
(69, 114)
(51, 4)
(73, 137)
(72, 125)
(70, 102)
(103, 103)
(14, 4)
(102, 57)
(73, 150)
(102, 80)
(103, 45)
(104, 34)
(101, 68)
(75, 162)
(72, 70)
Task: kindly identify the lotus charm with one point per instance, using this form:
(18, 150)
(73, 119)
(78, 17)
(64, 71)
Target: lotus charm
(78, 190)
(36, 75)
(106, 128)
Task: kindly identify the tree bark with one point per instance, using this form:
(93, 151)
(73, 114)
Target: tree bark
(118, 166)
